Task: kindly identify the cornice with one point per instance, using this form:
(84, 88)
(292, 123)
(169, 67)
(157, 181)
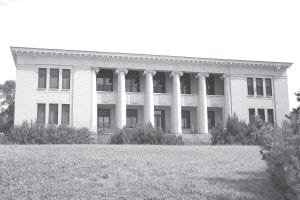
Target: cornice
(147, 57)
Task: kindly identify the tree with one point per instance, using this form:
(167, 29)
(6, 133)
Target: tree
(298, 95)
(7, 116)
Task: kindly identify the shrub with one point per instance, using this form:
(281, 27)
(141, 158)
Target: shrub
(39, 134)
(144, 134)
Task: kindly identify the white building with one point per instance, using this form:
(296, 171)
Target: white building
(102, 91)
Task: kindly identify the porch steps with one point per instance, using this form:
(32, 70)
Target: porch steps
(196, 139)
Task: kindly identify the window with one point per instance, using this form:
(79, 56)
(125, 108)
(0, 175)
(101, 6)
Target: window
(250, 86)
(210, 85)
(132, 81)
(270, 116)
(105, 80)
(53, 113)
(185, 119)
(261, 114)
(259, 86)
(65, 114)
(159, 119)
(131, 118)
(159, 83)
(41, 111)
(66, 79)
(54, 78)
(211, 119)
(268, 87)
(104, 119)
(42, 78)
(251, 115)
(185, 82)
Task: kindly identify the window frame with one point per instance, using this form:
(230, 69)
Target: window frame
(130, 115)
(268, 115)
(250, 88)
(260, 116)
(68, 79)
(55, 122)
(185, 84)
(159, 77)
(269, 92)
(62, 114)
(186, 117)
(258, 87)
(132, 77)
(44, 83)
(102, 114)
(52, 79)
(210, 85)
(38, 115)
(251, 117)
(106, 75)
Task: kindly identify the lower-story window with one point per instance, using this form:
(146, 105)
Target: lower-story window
(185, 119)
(270, 116)
(104, 119)
(53, 113)
(65, 114)
(261, 114)
(41, 112)
(131, 118)
(251, 115)
(211, 119)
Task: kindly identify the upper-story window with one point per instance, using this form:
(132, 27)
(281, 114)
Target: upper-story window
(54, 78)
(105, 80)
(268, 87)
(42, 78)
(132, 81)
(210, 85)
(66, 79)
(159, 83)
(250, 86)
(259, 86)
(185, 81)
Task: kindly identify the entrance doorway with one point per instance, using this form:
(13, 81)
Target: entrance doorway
(159, 119)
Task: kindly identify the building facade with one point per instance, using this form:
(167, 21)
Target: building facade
(102, 91)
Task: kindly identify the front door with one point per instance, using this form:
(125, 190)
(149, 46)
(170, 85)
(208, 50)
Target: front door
(159, 119)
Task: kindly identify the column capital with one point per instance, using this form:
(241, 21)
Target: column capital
(96, 69)
(173, 73)
(153, 72)
(202, 74)
(225, 76)
(121, 70)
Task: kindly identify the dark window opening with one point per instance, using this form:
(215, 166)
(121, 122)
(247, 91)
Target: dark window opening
(41, 112)
(250, 86)
(210, 85)
(211, 119)
(105, 80)
(185, 119)
(185, 83)
(42, 78)
(268, 87)
(104, 119)
(270, 116)
(251, 115)
(159, 83)
(54, 78)
(261, 114)
(131, 118)
(159, 120)
(132, 81)
(53, 113)
(65, 114)
(259, 86)
(66, 79)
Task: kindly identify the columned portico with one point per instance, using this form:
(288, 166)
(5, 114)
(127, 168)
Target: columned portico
(149, 99)
(121, 98)
(176, 104)
(202, 104)
(227, 97)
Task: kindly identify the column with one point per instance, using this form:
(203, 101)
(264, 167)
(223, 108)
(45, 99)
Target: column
(202, 104)
(227, 97)
(149, 99)
(94, 102)
(121, 99)
(176, 105)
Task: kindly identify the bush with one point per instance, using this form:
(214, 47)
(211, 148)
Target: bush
(238, 132)
(144, 134)
(39, 134)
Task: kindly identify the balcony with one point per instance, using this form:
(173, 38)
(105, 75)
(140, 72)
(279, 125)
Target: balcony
(104, 97)
(135, 98)
(162, 99)
(215, 100)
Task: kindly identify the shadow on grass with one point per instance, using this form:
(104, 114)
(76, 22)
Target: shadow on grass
(253, 186)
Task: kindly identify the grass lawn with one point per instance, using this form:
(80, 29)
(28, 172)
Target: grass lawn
(133, 172)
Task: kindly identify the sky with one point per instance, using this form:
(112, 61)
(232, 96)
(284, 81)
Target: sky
(233, 29)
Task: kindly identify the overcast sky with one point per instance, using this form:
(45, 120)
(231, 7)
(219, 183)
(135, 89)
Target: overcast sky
(234, 29)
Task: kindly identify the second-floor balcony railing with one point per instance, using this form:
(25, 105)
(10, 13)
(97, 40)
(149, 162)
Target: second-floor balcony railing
(160, 99)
